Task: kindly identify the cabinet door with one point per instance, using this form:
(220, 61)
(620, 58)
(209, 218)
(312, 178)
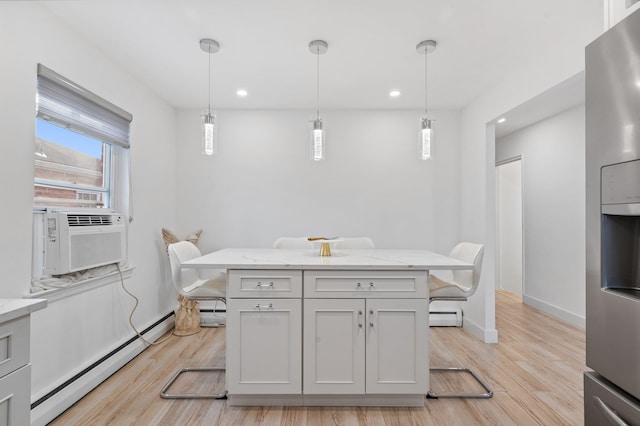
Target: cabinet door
(334, 342)
(397, 346)
(264, 346)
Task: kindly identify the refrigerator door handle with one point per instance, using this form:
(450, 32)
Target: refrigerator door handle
(622, 209)
(611, 415)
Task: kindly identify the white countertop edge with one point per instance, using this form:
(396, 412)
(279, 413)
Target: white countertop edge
(311, 267)
(15, 308)
(372, 259)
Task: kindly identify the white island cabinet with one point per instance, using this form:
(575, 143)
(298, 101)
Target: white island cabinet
(350, 329)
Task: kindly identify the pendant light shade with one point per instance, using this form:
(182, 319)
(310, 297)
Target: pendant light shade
(426, 138)
(209, 134)
(209, 125)
(317, 47)
(426, 124)
(317, 140)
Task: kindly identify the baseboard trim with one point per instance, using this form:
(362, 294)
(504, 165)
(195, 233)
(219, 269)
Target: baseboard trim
(55, 402)
(487, 336)
(557, 312)
(367, 400)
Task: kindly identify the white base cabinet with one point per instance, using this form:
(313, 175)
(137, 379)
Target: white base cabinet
(345, 338)
(356, 346)
(15, 368)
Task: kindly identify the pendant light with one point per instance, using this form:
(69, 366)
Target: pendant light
(209, 125)
(317, 47)
(426, 124)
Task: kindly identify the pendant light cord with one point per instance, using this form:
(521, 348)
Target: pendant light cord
(317, 82)
(425, 82)
(209, 105)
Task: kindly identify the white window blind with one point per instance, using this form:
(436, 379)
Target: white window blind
(69, 105)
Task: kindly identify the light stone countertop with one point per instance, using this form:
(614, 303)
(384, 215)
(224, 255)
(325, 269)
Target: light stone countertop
(369, 259)
(15, 308)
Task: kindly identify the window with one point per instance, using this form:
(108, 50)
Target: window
(78, 136)
(81, 157)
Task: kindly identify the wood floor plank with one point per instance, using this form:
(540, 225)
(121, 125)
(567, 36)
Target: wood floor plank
(535, 372)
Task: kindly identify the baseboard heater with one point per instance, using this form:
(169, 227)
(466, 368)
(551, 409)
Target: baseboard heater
(447, 317)
(154, 331)
(100, 361)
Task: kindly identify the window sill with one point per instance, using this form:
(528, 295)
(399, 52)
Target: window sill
(81, 286)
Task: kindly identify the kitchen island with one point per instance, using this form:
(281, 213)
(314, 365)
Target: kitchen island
(349, 329)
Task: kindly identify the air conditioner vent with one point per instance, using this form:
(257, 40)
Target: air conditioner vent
(88, 220)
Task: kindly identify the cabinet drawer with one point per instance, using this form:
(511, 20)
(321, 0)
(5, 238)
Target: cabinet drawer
(366, 284)
(15, 397)
(267, 283)
(14, 345)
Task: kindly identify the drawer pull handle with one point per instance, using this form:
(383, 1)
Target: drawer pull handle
(260, 307)
(370, 317)
(260, 285)
(613, 417)
(359, 318)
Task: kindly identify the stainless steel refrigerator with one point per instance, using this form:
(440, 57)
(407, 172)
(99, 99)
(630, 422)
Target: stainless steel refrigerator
(612, 389)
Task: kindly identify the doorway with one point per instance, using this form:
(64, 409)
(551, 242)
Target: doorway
(510, 226)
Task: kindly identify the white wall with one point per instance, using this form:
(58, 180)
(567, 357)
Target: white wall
(554, 64)
(553, 152)
(509, 258)
(262, 184)
(73, 332)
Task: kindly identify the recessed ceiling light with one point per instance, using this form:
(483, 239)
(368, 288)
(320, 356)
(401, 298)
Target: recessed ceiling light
(242, 93)
(394, 93)
(502, 120)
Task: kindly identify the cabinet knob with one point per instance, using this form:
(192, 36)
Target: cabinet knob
(359, 285)
(371, 285)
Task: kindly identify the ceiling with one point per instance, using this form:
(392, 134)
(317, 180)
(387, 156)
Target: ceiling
(561, 97)
(372, 47)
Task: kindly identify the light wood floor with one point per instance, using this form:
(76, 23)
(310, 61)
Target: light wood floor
(535, 371)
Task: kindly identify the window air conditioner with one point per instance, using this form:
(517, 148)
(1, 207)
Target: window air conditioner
(81, 240)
